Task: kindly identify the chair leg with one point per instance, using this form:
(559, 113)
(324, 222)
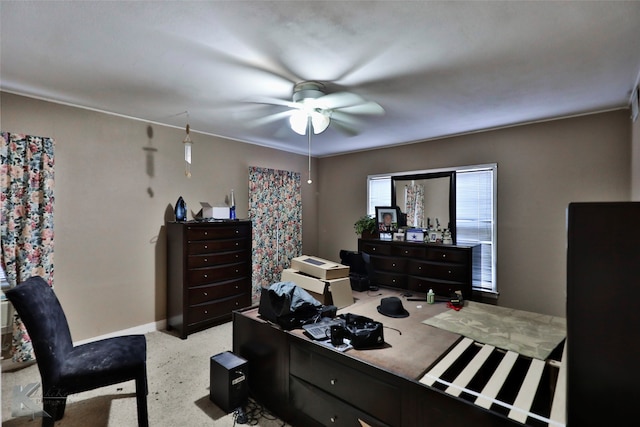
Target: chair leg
(141, 398)
(54, 407)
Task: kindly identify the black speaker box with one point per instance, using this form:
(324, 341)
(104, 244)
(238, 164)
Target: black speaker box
(229, 388)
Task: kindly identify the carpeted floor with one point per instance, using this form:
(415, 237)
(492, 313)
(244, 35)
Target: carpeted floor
(178, 377)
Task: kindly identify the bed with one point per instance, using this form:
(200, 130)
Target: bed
(424, 375)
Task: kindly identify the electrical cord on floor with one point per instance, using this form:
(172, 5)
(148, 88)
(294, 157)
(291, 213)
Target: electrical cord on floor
(252, 413)
(389, 327)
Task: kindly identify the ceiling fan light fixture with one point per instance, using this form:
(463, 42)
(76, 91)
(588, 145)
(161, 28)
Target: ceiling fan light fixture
(320, 122)
(298, 122)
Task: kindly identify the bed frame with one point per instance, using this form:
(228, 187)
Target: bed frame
(423, 377)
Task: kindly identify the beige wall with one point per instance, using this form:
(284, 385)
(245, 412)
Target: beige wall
(109, 256)
(541, 168)
(109, 213)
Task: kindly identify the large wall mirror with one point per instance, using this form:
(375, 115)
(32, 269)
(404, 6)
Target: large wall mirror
(426, 197)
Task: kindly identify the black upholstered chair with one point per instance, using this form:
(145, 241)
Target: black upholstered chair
(66, 369)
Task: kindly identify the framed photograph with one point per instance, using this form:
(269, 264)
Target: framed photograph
(415, 235)
(435, 236)
(399, 237)
(385, 236)
(387, 217)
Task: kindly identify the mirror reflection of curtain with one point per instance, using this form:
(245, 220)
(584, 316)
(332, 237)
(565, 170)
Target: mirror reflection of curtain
(275, 209)
(414, 204)
(27, 219)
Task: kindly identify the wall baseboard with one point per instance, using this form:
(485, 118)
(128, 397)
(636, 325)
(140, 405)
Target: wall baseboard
(141, 329)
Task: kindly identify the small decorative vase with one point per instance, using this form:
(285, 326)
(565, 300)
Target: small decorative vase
(181, 210)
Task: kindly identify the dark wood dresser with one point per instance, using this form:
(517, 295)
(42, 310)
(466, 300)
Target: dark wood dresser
(418, 267)
(209, 273)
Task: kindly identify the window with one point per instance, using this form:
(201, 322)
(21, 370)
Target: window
(379, 189)
(475, 213)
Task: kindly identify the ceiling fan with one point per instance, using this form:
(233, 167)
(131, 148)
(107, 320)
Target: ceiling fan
(312, 109)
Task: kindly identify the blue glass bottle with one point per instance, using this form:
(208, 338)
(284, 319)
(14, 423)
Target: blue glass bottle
(181, 210)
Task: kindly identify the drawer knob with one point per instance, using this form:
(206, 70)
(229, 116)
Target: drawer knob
(206, 260)
(237, 243)
(333, 419)
(333, 381)
(205, 294)
(449, 271)
(237, 303)
(393, 265)
(237, 231)
(206, 247)
(406, 252)
(444, 255)
(206, 275)
(236, 286)
(206, 312)
(420, 268)
(374, 249)
(394, 280)
(236, 270)
(206, 232)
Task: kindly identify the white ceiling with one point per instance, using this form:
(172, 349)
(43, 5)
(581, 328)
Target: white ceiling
(437, 68)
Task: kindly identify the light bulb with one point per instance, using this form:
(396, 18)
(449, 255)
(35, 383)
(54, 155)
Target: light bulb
(298, 122)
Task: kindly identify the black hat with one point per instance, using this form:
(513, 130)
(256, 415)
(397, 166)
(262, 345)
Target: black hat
(392, 307)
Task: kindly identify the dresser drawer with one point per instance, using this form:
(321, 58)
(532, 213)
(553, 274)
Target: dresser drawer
(395, 280)
(201, 294)
(373, 248)
(206, 260)
(210, 246)
(376, 397)
(452, 272)
(201, 276)
(325, 408)
(421, 284)
(389, 264)
(409, 251)
(225, 232)
(447, 255)
(435, 270)
(214, 309)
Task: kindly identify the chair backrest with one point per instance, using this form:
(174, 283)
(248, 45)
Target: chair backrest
(41, 312)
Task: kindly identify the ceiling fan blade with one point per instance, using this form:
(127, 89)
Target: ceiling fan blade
(370, 108)
(344, 128)
(336, 100)
(345, 123)
(274, 101)
(270, 118)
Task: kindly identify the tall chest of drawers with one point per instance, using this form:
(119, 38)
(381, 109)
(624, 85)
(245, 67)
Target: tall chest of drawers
(208, 273)
(419, 266)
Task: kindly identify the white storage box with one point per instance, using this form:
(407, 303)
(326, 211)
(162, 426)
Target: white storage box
(329, 292)
(320, 268)
(215, 212)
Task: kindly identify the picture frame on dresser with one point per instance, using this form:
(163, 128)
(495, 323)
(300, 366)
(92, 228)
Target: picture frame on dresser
(388, 218)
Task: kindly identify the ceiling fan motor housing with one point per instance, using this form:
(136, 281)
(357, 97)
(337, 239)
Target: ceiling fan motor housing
(307, 90)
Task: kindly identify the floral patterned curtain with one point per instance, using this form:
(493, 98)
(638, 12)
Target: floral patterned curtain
(275, 208)
(27, 218)
(414, 204)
